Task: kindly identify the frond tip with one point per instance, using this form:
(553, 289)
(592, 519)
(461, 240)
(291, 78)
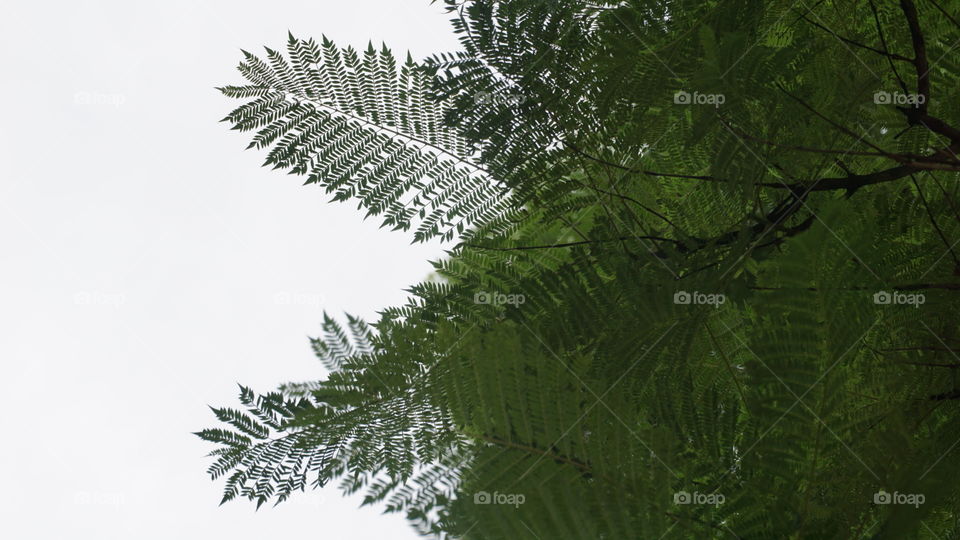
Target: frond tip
(366, 130)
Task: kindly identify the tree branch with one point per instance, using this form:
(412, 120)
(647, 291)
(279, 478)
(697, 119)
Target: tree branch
(889, 55)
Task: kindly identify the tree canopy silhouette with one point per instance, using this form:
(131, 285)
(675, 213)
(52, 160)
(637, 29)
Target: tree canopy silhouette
(702, 276)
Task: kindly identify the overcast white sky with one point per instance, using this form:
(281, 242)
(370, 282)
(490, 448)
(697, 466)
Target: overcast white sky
(148, 263)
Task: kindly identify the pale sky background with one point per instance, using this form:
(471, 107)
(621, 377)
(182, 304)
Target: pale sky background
(148, 263)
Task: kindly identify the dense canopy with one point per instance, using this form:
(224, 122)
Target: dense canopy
(702, 277)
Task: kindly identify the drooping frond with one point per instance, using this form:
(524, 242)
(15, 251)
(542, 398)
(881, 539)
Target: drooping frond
(366, 130)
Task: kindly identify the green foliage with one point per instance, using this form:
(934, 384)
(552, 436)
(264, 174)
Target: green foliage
(702, 282)
(365, 130)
